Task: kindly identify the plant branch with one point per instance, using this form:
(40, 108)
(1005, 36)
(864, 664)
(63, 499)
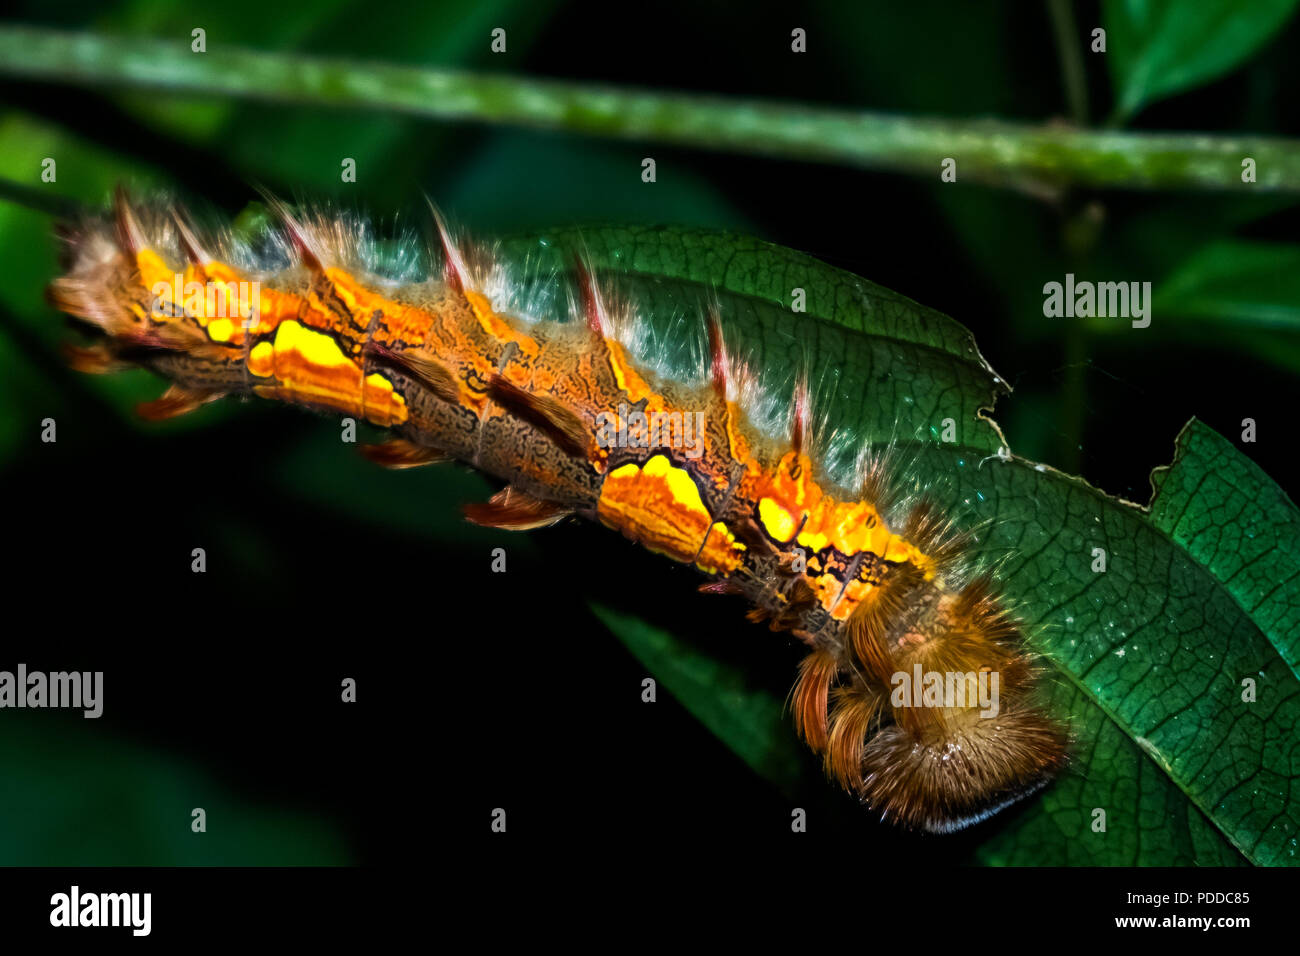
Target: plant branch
(1067, 50)
(1033, 158)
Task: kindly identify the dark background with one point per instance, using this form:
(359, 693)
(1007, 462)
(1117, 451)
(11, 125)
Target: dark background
(479, 690)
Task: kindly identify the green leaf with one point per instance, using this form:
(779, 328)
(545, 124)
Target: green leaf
(1156, 641)
(1149, 821)
(1157, 48)
(1235, 521)
(1150, 652)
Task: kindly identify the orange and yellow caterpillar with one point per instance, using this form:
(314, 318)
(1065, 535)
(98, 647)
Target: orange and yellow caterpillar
(547, 403)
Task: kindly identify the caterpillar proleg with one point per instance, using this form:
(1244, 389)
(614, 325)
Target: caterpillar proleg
(917, 688)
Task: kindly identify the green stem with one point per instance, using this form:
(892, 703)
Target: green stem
(1067, 50)
(1034, 158)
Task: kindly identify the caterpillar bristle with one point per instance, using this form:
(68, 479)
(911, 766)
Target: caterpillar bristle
(455, 271)
(162, 339)
(543, 413)
(879, 474)
(176, 401)
(130, 237)
(854, 711)
(719, 366)
(720, 587)
(926, 524)
(799, 600)
(945, 782)
(399, 453)
(978, 610)
(189, 241)
(871, 626)
(432, 373)
(810, 696)
(514, 510)
(800, 414)
(296, 233)
(96, 359)
(593, 303)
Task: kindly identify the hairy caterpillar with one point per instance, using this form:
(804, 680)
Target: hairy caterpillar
(546, 402)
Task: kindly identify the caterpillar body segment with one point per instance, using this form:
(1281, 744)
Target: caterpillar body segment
(549, 404)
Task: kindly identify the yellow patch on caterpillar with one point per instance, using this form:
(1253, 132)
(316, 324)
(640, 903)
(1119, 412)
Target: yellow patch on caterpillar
(359, 301)
(498, 327)
(296, 345)
(658, 505)
(261, 360)
(812, 540)
(737, 443)
(625, 373)
(720, 553)
(221, 330)
(792, 503)
(211, 295)
(380, 404)
(153, 271)
(310, 366)
(780, 524)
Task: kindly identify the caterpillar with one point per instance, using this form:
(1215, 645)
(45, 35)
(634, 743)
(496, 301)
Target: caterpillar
(543, 395)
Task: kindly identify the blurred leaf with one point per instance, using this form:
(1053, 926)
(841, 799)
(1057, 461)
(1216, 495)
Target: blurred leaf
(750, 723)
(977, 77)
(1157, 48)
(1236, 282)
(73, 798)
(1229, 295)
(522, 179)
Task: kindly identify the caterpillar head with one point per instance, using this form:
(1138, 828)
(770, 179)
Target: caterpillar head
(929, 703)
